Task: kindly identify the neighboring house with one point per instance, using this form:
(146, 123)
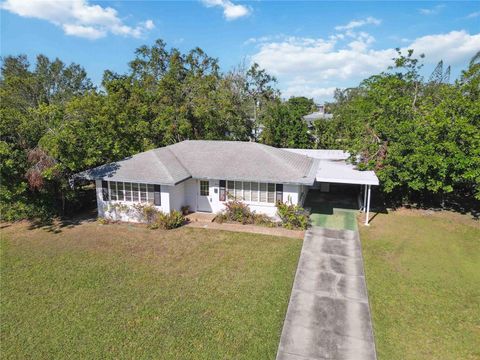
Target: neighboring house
(317, 115)
(204, 174)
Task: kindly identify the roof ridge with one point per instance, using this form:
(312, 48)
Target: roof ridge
(168, 147)
(167, 169)
(162, 164)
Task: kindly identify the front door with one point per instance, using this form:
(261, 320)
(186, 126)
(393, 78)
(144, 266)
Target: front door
(203, 197)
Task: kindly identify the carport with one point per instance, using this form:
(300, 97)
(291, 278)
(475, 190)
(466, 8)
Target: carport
(334, 169)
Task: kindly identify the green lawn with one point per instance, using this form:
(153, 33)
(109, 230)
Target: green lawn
(338, 218)
(122, 291)
(423, 278)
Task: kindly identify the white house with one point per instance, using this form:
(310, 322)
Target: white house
(204, 174)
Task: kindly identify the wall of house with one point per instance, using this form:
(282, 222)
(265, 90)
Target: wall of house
(191, 194)
(291, 193)
(177, 196)
(110, 209)
(186, 193)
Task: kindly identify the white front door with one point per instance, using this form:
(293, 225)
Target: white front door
(203, 197)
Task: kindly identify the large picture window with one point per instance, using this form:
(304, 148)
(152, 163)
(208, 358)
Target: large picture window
(253, 191)
(133, 192)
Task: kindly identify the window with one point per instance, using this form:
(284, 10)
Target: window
(246, 191)
(157, 196)
(150, 194)
(251, 191)
(279, 189)
(128, 191)
(254, 191)
(143, 192)
(238, 190)
(222, 196)
(204, 188)
(135, 193)
(271, 193)
(120, 194)
(230, 189)
(113, 191)
(263, 192)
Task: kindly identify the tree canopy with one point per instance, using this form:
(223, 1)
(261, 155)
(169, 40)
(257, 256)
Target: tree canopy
(421, 136)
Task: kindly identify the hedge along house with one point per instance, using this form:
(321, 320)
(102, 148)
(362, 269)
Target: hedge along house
(203, 175)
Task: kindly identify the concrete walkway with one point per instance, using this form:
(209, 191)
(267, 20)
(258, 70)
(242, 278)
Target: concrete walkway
(328, 316)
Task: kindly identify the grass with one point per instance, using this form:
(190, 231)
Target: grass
(423, 278)
(336, 210)
(337, 219)
(122, 291)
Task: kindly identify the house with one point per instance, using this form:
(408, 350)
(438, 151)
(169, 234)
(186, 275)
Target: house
(317, 115)
(204, 174)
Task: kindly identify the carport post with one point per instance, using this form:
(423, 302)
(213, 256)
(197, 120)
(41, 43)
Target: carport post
(364, 205)
(368, 205)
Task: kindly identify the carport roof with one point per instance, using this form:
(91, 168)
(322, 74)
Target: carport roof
(333, 168)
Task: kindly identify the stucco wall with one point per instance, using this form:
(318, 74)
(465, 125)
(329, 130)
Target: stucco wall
(291, 193)
(185, 193)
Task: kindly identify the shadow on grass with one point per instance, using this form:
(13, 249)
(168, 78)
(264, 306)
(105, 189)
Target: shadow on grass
(56, 224)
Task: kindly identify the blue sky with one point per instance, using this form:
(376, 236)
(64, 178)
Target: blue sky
(311, 47)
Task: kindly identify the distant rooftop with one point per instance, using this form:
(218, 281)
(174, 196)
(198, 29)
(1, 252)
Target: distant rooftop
(317, 115)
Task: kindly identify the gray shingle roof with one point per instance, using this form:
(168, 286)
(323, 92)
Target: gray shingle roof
(204, 159)
(158, 166)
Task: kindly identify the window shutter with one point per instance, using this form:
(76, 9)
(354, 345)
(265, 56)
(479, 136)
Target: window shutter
(157, 198)
(105, 190)
(279, 190)
(222, 194)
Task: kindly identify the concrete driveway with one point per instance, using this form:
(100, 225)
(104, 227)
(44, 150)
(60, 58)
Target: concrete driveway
(328, 316)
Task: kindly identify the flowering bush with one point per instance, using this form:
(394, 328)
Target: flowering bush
(237, 211)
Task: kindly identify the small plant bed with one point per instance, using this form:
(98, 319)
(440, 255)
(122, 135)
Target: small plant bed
(292, 217)
(149, 214)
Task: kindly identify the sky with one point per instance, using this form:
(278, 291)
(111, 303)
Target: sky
(311, 47)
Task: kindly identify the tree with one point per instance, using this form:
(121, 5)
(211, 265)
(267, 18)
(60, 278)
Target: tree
(421, 138)
(284, 126)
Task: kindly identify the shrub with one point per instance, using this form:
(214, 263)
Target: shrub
(293, 216)
(264, 220)
(103, 221)
(167, 221)
(147, 212)
(237, 211)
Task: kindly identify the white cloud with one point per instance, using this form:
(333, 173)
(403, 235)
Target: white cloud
(77, 17)
(453, 47)
(358, 23)
(231, 11)
(313, 67)
(473, 15)
(431, 11)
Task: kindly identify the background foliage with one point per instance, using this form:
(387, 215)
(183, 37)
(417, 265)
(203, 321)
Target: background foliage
(421, 136)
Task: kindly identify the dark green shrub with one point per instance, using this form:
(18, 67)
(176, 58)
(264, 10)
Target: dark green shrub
(293, 216)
